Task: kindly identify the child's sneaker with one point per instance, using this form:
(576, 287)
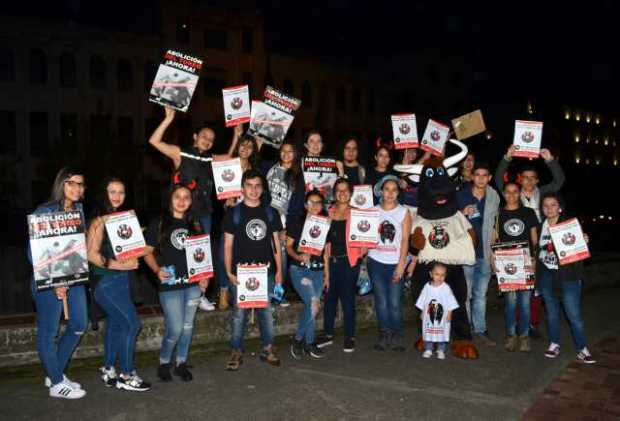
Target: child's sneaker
(65, 390)
(553, 351)
(585, 357)
(441, 355)
(108, 375)
(427, 354)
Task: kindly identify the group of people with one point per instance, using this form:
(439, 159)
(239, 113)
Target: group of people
(265, 224)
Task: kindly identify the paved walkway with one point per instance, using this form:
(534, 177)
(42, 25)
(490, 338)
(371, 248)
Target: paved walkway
(363, 385)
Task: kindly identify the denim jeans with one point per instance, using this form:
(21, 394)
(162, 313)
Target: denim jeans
(309, 285)
(205, 222)
(441, 346)
(571, 301)
(522, 299)
(113, 295)
(388, 297)
(55, 355)
(222, 277)
(240, 320)
(343, 287)
(179, 308)
(477, 277)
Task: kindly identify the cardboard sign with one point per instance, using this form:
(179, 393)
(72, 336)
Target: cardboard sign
(58, 249)
(363, 228)
(176, 80)
(227, 176)
(314, 235)
(510, 261)
(236, 105)
(435, 137)
(125, 235)
(252, 291)
(468, 125)
(405, 131)
(198, 257)
(362, 197)
(569, 242)
(271, 118)
(528, 138)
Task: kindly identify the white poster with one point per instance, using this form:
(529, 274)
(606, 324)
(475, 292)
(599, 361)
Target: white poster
(511, 263)
(227, 176)
(176, 80)
(236, 105)
(435, 137)
(252, 291)
(314, 235)
(405, 131)
(198, 257)
(362, 197)
(125, 235)
(528, 138)
(363, 228)
(569, 242)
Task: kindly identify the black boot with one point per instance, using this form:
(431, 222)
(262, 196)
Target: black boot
(163, 372)
(182, 371)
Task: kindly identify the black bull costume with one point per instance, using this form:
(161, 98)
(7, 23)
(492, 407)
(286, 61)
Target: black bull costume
(432, 239)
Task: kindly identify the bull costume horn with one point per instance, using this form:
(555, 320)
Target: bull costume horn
(455, 159)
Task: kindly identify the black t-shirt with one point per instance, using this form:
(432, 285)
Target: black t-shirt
(337, 237)
(373, 177)
(294, 230)
(515, 225)
(195, 171)
(253, 241)
(172, 250)
(353, 174)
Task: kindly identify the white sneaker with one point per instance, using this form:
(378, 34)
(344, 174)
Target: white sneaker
(66, 391)
(427, 354)
(205, 304)
(585, 357)
(108, 375)
(441, 355)
(75, 385)
(553, 351)
(133, 383)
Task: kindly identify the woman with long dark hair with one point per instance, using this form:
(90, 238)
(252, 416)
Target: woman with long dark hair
(382, 167)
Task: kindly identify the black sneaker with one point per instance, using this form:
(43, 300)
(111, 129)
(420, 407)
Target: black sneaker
(349, 345)
(182, 371)
(163, 372)
(108, 375)
(132, 383)
(383, 342)
(297, 349)
(398, 342)
(314, 351)
(324, 340)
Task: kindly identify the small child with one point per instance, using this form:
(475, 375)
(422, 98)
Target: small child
(436, 302)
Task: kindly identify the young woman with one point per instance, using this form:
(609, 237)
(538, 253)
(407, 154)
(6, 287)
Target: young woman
(466, 173)
(353, 170)
(386, 265)
(324, 179)
(110, 284)
(344, 269)
(560, 284)
(310, 276)
(383, 167)
(179, 300)
(516, 223)
(67, 194)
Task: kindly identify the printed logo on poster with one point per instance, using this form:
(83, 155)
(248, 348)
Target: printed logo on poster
(236, 101)
(512, 261)
(527, 138)
(569, 241)
(252, 291)
(227, 177)
(314, 235)
(362, 197)
(363, 228)
(404, 131)
(198, 257)
(435, 137)
(125, 235)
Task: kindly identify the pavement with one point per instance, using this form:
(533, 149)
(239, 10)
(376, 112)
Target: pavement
(365, 385)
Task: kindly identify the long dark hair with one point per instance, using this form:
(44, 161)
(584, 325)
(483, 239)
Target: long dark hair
(103, 205)
(293, 174)
(167, 218)
(253, 159)
(57, 194)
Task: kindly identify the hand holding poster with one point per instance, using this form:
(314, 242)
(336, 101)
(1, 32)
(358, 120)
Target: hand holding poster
(435, 137)
(314, 235)
(125, 235)
(569, 241)
(512, 261)
(468, 125)
(528, 138)
(58, 249)
(319, 173)
(252, 291)
(236, 105)
(198, 257)
(227, 176)
(405, 131)
(272, 118)
(363, 228)
(175, 81)
(362, 197)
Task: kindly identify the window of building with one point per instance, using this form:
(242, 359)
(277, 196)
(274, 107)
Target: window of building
(7, 65)
(124, 75)
(68, 70)
(68, 130)
(98, 72)
(216, 39)
(247, 40)
(38, 67)
(39, 136)
(8, 129)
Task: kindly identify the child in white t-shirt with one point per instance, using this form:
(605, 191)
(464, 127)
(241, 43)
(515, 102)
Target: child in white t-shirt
(436, 302)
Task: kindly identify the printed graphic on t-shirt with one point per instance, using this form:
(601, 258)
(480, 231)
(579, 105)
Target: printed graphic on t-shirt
(178, 237)
(387, 232)
(435, 313)
(514, 227)
(256, 229)
(438, 237)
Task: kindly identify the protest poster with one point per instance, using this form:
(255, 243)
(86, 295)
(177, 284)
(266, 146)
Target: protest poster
(227, 176)
(363, 228)
(252, 291)
(125, 235)
(569, 241)
(362, 197)
(435, 137)
(513, 262)
(272, 117)
(176, 80)
(236, 105)
(198, 257)
(468, 125)
(319, 173)
(405, 131)
(314, 234)
(528, 138)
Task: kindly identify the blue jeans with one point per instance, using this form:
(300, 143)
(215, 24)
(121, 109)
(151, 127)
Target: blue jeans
(240, 320)
(205, 222)
(179, 308)
(309, 285)
(522, 299)
(477, 277)
(441, 346)
(343, 287)
(571, 301)
(55, 355)
(222, 277)
(112, 294)
(388, 297)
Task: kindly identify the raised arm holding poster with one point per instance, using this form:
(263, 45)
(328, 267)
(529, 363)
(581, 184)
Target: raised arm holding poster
(271, 118)
(468, 125)
(528, 138)
(125, 235)
(405, 131)
(512, 261)
(176, 80)
(236, 105)
(227, 176)
(199, 258)
(362, 197)
(569, 241)
(363, 228)
(314, 235)
(252, 291)
(435, 137)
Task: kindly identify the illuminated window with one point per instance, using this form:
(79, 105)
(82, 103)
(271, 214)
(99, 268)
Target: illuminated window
(597, 120)
(567, 115)
(577, 159)
(588, 118)
(577, 116)
(576, 138)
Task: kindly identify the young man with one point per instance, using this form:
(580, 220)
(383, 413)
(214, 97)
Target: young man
(251, 233)
(479, 202)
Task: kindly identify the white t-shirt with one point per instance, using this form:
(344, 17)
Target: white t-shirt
(390, 235)
(435, 303)
(547, 251)
(447, 240)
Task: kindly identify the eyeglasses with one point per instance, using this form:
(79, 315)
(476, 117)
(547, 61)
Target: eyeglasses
(314, 202)
(72, 183)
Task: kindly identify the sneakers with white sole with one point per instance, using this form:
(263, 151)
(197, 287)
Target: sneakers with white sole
(585, 357)
(65, 390)
(75, 385)
(108, 375)
(205, 304)
(553, 351)
(427, 354)
(132, 383)
(441, 355)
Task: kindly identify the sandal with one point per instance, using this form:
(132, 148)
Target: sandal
(234, 361)
(268, 355)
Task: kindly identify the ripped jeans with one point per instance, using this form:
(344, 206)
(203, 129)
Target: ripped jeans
(179, 308)
(309, 285)
(55, 354)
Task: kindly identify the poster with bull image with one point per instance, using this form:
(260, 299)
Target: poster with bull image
(363, 228)
(362, 197)
(569, 241)
(271, 118)
(405, 131)
(528, 138)
(319, 173)
(125, 235)
(58, 249)
(176, 80)
(435, 137)
(198, 257)
(314, 235)
(236, 105)
(513, 263)
(227, 176)
(252, 291)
